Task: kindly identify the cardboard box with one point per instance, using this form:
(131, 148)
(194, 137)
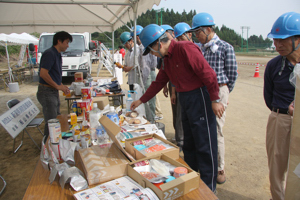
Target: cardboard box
(112, 130)
(101, 164)
(78, 77)
(102, 104)
(172, 152)
(173, 189)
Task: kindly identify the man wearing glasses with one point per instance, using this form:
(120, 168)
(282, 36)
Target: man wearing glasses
(196, 82)
(221, 57)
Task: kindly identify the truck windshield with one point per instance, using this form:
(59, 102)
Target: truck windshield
(77, 44)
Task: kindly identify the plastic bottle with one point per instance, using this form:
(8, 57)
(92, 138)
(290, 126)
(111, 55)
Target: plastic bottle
(113, 116)
(94, 120)
(101, 135)
(118, 64)
(129, 101)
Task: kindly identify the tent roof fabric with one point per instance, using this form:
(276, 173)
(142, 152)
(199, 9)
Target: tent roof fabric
(39, 16)
(14, 38)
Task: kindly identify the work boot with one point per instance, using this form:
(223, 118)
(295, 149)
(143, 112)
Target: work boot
(221, 177)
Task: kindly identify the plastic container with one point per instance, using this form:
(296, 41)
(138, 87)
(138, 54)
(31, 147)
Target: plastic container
(95, 114)
(101, 135)
(129, 101)
(112, 115)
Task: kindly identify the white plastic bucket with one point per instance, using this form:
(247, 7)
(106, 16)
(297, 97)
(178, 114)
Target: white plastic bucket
(13, 87)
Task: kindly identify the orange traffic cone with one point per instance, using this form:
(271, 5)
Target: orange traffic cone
(256, 74)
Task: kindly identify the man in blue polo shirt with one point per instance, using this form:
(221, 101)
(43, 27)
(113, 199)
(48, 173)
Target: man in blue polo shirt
(279, 94)
(50, 81)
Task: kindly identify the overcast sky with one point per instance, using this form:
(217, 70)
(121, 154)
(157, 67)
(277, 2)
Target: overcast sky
(260, 15)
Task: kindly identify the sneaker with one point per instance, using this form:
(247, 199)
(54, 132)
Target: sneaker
(157, 117)
(221, 177)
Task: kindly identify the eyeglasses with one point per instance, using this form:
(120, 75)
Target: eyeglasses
(197, 31)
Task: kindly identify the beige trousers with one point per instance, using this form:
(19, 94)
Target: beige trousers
(278, 144)
(224, 96)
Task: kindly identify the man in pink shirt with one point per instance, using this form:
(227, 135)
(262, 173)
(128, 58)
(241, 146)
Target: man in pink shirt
(196, 82)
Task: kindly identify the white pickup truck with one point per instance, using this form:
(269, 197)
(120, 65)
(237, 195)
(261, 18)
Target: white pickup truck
(77, 58)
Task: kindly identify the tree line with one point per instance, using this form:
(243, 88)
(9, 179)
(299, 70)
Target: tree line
(172, 18)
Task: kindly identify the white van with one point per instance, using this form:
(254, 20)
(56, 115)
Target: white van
(77, 58)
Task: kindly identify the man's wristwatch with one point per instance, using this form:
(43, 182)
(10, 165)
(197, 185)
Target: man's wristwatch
(216, 101)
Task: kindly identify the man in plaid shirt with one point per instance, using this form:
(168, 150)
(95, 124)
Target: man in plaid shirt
(221, 57)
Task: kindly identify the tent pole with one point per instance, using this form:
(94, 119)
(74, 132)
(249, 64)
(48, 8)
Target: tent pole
(9, 69)
(113, 54)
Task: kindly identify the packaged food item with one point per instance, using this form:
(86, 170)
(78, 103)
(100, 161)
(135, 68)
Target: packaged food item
(180, 171)
(54, 130)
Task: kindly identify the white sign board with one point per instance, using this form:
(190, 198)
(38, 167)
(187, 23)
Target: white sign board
(18, 117)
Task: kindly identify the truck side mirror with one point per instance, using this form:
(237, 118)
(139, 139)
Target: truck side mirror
(92, 45)
(31, 47)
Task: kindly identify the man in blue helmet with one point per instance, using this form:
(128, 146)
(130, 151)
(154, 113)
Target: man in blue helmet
(148, 66)
(278, 95)
(221, 57)
(196, 82)
(129, 67)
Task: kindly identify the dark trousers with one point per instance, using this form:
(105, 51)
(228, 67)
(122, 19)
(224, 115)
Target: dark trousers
(200, 145)
(49, 99)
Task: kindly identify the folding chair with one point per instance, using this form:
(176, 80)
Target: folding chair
(36, 122)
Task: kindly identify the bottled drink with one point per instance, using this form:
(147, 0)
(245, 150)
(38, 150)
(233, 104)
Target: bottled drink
(129, 101)
(94, 120)
(118, 64)
(74, 107)
(113, 116)
(101, 135)
(95, 116)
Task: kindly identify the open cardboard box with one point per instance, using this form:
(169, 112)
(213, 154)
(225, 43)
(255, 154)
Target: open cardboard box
(112, 130)
(172, 152)
(173, 189)
(101, 164)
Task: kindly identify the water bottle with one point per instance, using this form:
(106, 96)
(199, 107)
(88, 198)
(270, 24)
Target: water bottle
(112, 115)
(101, 135)
(94, 120)
(129, 101)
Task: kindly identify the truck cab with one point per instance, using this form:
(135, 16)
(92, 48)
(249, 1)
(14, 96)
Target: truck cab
(77, 58)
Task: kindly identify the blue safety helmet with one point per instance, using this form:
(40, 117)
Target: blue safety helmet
(149, 35)
(181, 28)
(285, 26)
(202, 19)
(139, 29)
(167, 27)
(125, 37)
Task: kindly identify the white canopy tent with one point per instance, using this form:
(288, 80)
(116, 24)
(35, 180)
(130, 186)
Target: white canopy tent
(70, 15)
(16, 39)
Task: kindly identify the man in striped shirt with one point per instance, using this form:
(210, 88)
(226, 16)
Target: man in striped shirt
(221, 57)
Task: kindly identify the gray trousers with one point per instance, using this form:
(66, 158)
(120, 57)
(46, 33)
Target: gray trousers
(177, 124)
(49, 99)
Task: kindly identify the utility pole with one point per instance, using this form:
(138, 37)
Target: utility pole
(245, 27)
(157, 11)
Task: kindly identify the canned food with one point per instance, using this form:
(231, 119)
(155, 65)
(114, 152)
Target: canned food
(54, 130)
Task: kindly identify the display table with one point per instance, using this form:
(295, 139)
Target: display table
(40, 188)
(110, 98)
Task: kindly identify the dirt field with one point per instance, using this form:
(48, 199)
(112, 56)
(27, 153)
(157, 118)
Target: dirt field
(246, 159)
